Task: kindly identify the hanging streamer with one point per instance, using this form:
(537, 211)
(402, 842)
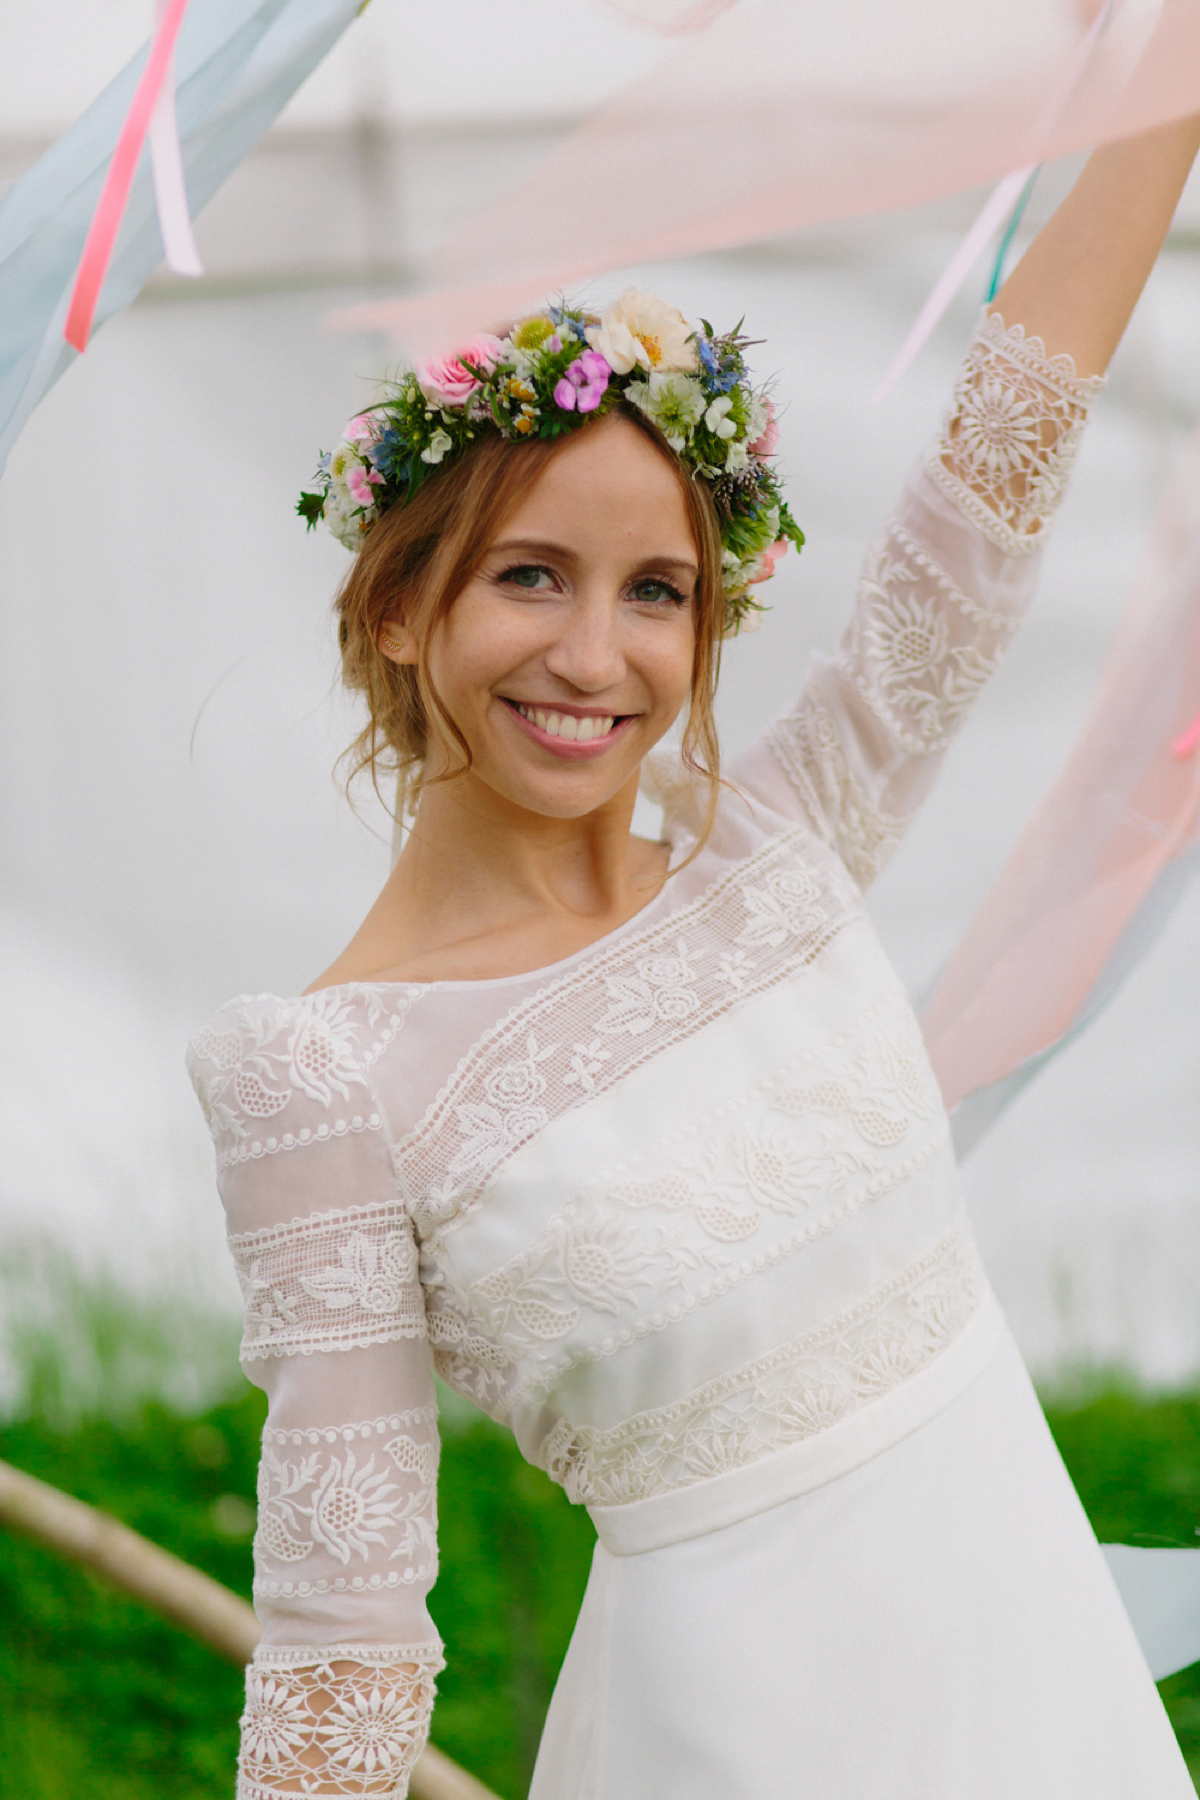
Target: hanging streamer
(238, 64)
(166, 159)
(106, 221)
(1010, 232)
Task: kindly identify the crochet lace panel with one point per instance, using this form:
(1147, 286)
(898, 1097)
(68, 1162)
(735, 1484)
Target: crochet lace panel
(348, 1722)
(348, 1508)
(1012, 436)
(797, 1391)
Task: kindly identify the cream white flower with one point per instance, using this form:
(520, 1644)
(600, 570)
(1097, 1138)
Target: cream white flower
(757, 418)
(345, 519)
(674, 402)
(641, 331)
(436, 448)
(718, 420)
(736, 457)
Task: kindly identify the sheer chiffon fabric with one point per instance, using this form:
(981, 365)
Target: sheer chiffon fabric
(683, 1213)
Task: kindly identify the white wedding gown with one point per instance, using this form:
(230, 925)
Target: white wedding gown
(682, 1211)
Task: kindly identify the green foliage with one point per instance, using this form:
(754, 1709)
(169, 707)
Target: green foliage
(310, 507)
(99, 1700)
(1136, 1464)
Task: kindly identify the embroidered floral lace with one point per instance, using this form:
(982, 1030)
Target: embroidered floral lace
(676, 1205)
(938, 603)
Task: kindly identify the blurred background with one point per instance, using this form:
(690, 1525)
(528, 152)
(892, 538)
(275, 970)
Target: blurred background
(171, 831)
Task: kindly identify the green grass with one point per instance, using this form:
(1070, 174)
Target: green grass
(101, 1701)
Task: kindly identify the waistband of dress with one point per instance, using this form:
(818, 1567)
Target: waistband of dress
(634, 1526)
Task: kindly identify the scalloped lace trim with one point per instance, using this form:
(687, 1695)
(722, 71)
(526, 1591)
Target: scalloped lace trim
(340, 1720)
(1012, 436)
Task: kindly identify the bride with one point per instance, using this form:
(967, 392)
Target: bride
(635, 1142)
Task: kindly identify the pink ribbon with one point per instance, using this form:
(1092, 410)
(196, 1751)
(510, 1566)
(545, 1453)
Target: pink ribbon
(152, 109)
(998, 204)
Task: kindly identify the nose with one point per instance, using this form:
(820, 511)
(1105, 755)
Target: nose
(588, 652)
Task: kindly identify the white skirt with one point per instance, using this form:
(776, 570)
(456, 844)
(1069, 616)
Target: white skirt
(937, 1624)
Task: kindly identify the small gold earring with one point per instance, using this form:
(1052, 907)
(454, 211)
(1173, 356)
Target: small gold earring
(388, 643)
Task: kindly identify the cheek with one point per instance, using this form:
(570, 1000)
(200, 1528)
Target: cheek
(475, 646)
(670, 668)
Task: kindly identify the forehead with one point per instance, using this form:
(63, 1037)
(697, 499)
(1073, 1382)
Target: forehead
(608, 477)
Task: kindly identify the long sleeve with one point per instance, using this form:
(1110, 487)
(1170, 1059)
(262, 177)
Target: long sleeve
(943, 590)
(339, 1693)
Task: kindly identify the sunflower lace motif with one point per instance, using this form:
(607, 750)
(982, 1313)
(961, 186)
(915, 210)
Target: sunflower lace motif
(349, 1508)
(797, 1391)
(342, 1722)
(1012, 436)
(256, 1067)
(918, 649)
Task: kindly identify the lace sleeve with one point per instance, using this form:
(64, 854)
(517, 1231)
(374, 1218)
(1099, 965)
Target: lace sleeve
(942, 592)
(340, 1691)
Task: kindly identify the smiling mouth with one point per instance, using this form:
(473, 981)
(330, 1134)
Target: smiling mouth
(569, 727)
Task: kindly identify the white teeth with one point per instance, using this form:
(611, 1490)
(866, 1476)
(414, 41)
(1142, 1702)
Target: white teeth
(567, 725)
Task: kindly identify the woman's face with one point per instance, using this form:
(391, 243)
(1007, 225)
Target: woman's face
(569, 652)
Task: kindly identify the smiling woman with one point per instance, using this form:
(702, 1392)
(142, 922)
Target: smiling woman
(637, 1144)
(557, 561)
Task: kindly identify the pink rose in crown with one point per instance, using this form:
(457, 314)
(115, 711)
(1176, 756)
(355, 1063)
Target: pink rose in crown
(767, 559)
(448, 380)
(765, 445)
(582, 387)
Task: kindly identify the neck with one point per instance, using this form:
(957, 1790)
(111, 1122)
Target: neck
(485, 888)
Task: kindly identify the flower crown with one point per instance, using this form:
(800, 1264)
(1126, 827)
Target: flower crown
(542, 380)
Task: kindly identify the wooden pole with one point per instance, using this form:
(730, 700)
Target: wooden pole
(179, 1592)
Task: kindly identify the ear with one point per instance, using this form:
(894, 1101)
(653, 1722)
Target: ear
(397, 642)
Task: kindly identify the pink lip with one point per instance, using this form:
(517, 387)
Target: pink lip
(564, 747)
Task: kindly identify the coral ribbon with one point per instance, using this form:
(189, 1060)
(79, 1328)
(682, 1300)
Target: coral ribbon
(114, 197)
(1002, 199)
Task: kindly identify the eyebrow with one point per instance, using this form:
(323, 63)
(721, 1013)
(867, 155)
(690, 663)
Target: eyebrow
(546, 547)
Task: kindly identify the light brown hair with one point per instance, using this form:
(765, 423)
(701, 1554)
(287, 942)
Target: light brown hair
(417, 559)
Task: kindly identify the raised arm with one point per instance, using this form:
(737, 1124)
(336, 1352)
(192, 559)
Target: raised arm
(339, 1694)
(948, 579)
(1079, 281)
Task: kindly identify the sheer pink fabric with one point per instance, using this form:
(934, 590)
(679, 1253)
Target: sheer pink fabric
(787, 113)
(1122, 817)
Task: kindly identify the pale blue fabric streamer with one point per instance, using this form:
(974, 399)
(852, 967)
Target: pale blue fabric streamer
(237, 65)
(1161, 1591)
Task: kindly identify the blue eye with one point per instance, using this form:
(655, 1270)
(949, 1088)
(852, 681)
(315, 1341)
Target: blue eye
(528, 576)
(657, 593)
